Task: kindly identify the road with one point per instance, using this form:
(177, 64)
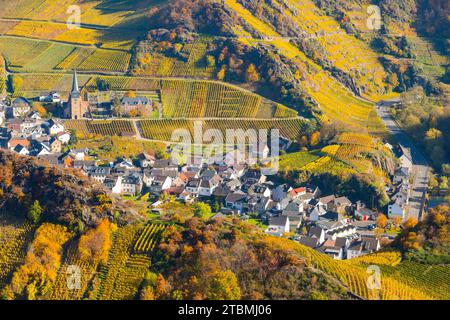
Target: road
(421, 167)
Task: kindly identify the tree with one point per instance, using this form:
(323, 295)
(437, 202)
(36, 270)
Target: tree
(382, 221)
(252, 74)
(117, 107)
(397, 221)
(224, 286)
(35, 212)
(202, 210)
(221, 74)
(94, 246)
(315, 138)
(410, 223)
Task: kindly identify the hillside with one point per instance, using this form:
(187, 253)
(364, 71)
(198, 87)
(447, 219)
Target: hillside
(176, 256)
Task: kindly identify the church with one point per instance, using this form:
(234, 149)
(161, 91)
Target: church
(76, 107)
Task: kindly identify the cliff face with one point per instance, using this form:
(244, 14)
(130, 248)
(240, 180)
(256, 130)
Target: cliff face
(66, 196)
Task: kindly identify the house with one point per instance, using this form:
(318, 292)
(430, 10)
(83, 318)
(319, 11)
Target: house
(401, 175)
(34, 116)
(187, 197)
(160, 183)
(311, 242)
(55, 145)
(53, 96)
(64, 137)
(165, 164)
(193, 186)
(125, 164)
(207, 187)
(114, 184)
(330, 248)
(341, 205)
(295, 193)
(235, 200)
(146, 160)
(13, 142)
(131, 185)
(20, 107)
(327, 202)
(405, 158)
(363, 246)
(293, 211)
(278, 226)
(397, 208)
(78, 154)
(317, 212)
(53, 128)
(365, 214)
(280, 192)
(143, 105)
(99, 174)
(318, 233)
(21, 150)
(343, 231)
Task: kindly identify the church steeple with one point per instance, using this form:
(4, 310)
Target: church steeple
(75, 89)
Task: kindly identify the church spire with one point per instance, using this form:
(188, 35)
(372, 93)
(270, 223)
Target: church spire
(75, 94)
(75, 88)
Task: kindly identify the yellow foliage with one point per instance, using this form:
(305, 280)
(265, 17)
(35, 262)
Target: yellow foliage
(94, 246)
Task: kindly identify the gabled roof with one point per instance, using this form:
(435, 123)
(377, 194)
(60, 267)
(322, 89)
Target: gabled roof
(236, 197)
(327, 199)
(279, 221)
(315, 232)
(309, 242)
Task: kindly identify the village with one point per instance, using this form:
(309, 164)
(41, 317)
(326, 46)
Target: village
(331, 224)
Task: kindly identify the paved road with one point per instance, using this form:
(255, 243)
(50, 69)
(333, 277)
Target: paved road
(420, 168)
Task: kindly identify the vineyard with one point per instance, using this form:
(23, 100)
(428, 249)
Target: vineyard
(14, 240)
(355, 278)
(148, 239)
(430, 279)
(124, 272)
(103, 128)
(336, 102)
(163, 129)
(194, 65)
(60, 290)
(194, 99)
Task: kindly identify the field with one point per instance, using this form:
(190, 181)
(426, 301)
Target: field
(14, 240)
(163, 129)
(125, 271)
(431, 279)
(148, 238)
(336, 102)
(102, 128)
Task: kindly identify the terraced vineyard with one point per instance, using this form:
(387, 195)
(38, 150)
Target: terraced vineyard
(104, 128)
(60, 290)
(336, 102)
(430, 279)
(162, 129)
(149, 238)
(121, 277)
(194, 99)
(355, 278)
(14, 240)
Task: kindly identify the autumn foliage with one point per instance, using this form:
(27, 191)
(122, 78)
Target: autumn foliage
(94, 246)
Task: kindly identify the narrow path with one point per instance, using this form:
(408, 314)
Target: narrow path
(421, 167)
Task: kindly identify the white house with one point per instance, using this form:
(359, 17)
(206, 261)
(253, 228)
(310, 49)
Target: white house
(21, 150)
(131, 185)
(64, 137)
(114, 184)
(278, 226)
(207, 187)
(193, 186)
(318, 233)
(146, 160)
(53, 128)
(397, 209)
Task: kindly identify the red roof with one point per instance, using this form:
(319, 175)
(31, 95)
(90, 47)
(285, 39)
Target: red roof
(294, 192)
